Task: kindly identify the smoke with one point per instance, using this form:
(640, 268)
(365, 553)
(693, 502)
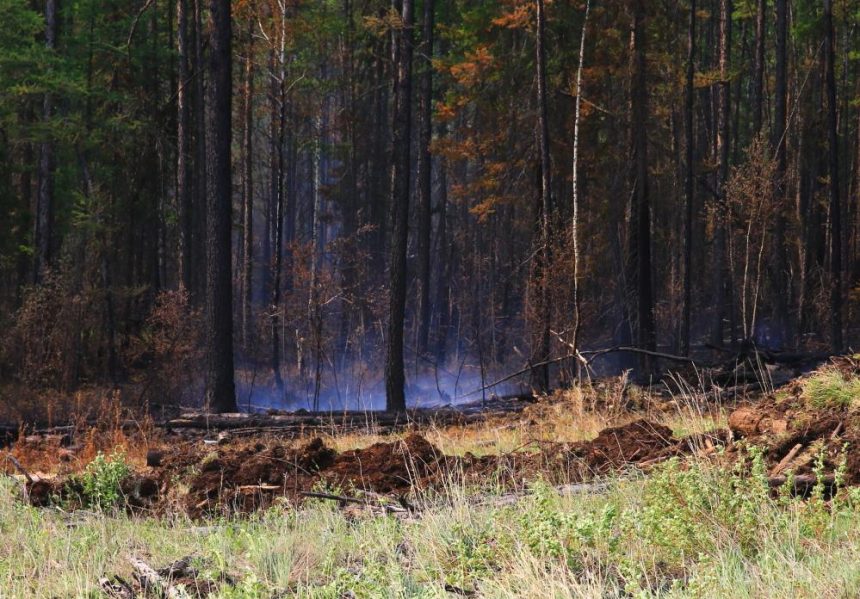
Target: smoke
(360, 391)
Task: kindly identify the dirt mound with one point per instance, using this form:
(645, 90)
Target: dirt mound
(635, 442)
(801, 424)
(251, 477)
(389, 467)
(239, 476)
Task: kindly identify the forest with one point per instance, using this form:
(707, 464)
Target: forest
(434, 298)
(363, 203)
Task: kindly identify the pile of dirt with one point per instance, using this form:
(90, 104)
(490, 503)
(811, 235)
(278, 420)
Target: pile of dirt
(240, 476)
(634, 442)
(795, 430)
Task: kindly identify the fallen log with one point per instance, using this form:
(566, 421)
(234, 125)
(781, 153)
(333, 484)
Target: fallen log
(802, 482)
(150, 580)
(249, 423)
(12, 460)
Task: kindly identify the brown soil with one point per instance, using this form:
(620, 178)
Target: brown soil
(786, 420)
(239, 476)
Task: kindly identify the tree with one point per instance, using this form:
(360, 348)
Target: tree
(425, 177)
(395, 379)
(220, 388)
(719, 265)
(689, 186)
(574, 230)
(184, 173)
(835, 204)
(778, 143)
(642, 208)
(45, 199)
(545, 205)
(247, 268)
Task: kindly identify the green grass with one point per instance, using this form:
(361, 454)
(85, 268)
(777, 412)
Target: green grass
(697, 531)
(828, 388)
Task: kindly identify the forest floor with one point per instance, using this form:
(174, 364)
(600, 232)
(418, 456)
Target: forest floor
(601, 490)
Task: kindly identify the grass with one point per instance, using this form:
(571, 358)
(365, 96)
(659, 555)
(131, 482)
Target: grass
(697, 531)
(829, 388)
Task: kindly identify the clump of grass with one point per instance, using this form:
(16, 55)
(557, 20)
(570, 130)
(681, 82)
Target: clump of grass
(829, 388)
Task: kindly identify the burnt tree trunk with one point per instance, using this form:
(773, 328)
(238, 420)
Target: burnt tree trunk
(541, 375)
(183, 143)
(689, 187)
(642, 202)
(220, 388)
(833, 164)
(425, 179)
(45, 198)
(400, 171)
(719, 264)
(248, 188)
(784, 320)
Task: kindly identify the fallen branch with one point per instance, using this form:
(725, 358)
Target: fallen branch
(583, 355)
(11, 459)
(149, 579)
(785, 461)
(355, 500)
(596, 353)
(116, 588)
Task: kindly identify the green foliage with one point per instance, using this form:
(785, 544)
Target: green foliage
(829, 388)
(101, 481)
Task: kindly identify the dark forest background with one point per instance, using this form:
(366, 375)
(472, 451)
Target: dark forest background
(345, 200)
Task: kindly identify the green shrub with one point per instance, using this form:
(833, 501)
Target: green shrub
(101, 481)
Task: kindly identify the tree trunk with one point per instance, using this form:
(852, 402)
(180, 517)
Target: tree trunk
(200, 209)
(183, 142)
(278, 110)
(689, 186)
(394, 374)
(835, 204)
(45, 199)
(248, 189)
(758, 67)
(220, 389)
(719, 259)
(425, 180)
(642, 224)
(574, 233)
(784, 320)
(542, 355)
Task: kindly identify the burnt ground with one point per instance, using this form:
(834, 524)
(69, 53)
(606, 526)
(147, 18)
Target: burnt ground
(241, 474)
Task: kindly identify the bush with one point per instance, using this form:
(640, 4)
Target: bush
(101, 481)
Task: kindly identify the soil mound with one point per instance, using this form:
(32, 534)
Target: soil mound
(635, 442)
(238, 476)
(816, 417)
(389, 467)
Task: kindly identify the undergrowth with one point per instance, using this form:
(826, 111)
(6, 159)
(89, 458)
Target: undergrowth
(688, 530)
